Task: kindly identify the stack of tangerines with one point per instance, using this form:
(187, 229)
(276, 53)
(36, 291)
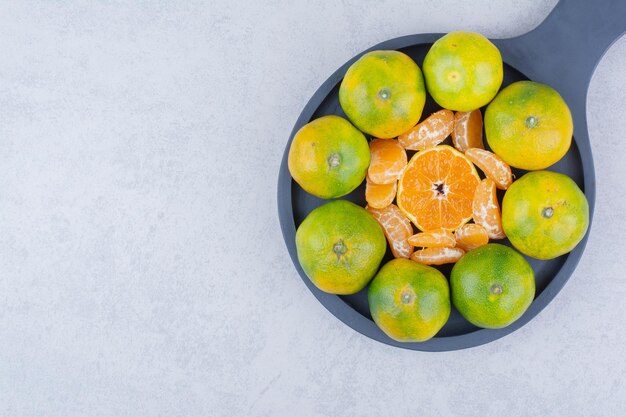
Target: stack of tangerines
(436, 188)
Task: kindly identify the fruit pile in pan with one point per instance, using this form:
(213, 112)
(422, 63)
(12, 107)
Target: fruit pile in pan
(432, 186)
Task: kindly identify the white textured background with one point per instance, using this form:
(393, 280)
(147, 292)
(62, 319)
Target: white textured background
(142, 269)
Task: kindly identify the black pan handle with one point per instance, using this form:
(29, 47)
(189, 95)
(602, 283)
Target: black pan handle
(565, 48)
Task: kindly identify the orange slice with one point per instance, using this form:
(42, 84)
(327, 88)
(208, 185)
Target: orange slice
(468, 130)
(437, 256)
(397, 228)
(487, 209)
(471, 236)
(437, 188)
(379, 195)
(492, 165)
(435, 239)
(431, 132)
(387, 162)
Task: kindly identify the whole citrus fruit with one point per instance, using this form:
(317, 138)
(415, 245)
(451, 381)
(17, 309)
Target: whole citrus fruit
(410, 302)
(492, 286)
(545, 214)
(329, 157)
(383, 93)
(529, 125)
(340, 247)
(463, 71)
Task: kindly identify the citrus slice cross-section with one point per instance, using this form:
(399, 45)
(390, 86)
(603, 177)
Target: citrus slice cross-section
(437, 188)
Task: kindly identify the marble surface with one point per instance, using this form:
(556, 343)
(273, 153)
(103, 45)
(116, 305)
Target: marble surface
(142, 269)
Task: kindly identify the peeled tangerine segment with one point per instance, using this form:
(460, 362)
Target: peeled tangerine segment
(388, 159)
(397, 228)
(471, 236)
(437, 256)
(379, 196)
(431, 132)
(492, 165)
(436, 239)
(468, 130)
(487, 209)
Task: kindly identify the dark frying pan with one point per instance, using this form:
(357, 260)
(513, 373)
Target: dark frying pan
(562, 52)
